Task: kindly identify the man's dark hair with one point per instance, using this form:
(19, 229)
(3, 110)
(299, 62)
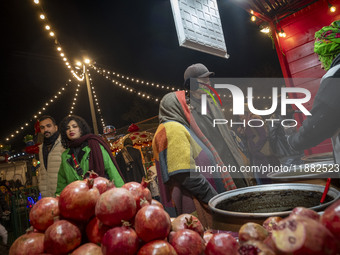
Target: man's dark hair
(83, 126)
(44, 117)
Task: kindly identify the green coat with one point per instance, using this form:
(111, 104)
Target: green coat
(68, 174)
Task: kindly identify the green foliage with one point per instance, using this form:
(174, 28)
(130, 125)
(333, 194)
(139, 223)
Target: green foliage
(28, 138)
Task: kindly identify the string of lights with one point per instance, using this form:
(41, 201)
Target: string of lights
(36, 116)
(96, 101)
(74, 99)
(52, 33)
(141, 94)
(107, 74)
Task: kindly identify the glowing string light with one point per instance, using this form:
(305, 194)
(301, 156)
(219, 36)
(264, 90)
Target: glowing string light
(74, 102)
(131, 90)
(47, 26)
(106, 74)
(36, 115)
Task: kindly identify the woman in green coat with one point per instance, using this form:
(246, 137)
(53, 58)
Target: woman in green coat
(84, 152)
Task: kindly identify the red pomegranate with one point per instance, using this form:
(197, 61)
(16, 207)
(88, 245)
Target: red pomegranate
(187, 221)
(101, 183)
(78, 200)
(207, 235)
(157, 247)
(187, 242)
(139, 191)
(259, 248)
(114, 206)
(95, 230)
(271, 223)
(302, 235)
(88, 249)
(29, 243)
(155, 202)
(306, 212)
(120, 241)
(222, 243)
(43, 212)
(62, 237)
(151, 223)
(331, 219)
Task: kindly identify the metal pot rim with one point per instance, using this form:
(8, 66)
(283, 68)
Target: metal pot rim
(270, 187)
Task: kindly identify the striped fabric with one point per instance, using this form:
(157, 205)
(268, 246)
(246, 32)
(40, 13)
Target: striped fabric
(226, 177)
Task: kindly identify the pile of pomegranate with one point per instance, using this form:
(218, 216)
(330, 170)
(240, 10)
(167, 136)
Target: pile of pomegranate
(92, 217)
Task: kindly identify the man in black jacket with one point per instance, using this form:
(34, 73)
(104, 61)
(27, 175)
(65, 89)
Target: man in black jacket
(325, 119)
(130, 163)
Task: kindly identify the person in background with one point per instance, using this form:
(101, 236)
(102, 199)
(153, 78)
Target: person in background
(325, 119)
(84, 151)
(129, 160)
(181, 147)
(260, 151)
(49, 155)
(277, 135)
(153, 185)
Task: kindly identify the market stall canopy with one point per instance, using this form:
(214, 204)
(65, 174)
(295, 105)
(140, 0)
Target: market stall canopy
(269, 10)
(138, 139)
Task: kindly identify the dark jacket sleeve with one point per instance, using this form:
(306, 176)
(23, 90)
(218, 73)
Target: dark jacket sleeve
(257, 146)
(325, 118)
(140, 164)
(197, 185)
(119, 160)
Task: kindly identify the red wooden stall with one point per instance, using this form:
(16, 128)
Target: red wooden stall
(299, 20)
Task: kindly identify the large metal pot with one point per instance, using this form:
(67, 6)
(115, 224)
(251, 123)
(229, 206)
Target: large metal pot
(233, 208)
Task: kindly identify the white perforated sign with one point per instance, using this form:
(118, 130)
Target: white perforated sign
(198, 26)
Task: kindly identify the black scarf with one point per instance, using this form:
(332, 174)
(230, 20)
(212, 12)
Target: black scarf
(47, 146)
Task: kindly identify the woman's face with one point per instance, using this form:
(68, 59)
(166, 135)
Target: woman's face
(73, 130)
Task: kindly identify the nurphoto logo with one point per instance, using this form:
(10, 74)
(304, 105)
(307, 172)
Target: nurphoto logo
(279, 98)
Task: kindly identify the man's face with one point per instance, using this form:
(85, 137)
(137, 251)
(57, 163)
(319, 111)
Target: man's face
(198, 92)
(47, 128)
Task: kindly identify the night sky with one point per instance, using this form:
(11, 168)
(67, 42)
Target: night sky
(133, 38)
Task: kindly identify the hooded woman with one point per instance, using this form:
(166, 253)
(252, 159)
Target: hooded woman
(189, 167)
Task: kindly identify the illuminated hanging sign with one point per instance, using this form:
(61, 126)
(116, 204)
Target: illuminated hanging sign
(198, 26)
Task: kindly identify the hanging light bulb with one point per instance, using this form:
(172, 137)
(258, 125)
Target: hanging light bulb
(331, 7)
(282, 33)
(253, 18)
(265, 30)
